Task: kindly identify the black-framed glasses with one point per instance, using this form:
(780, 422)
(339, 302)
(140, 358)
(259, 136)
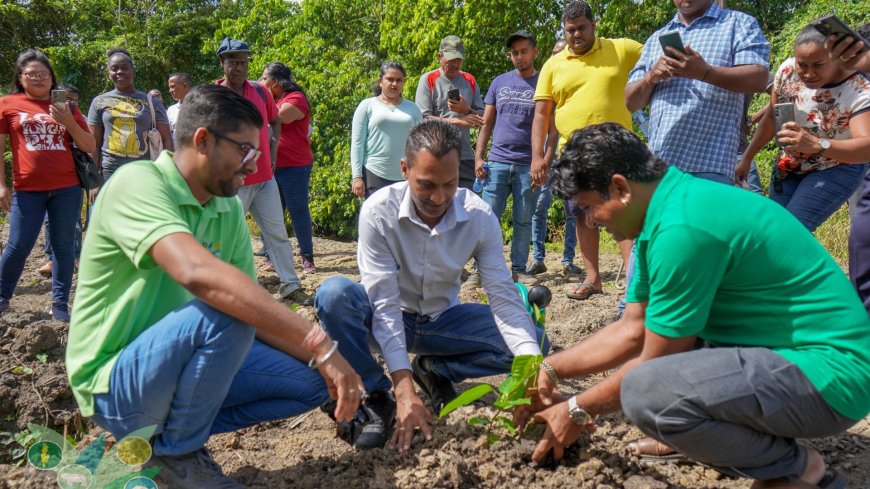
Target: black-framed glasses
(36, 75)
(250, 153)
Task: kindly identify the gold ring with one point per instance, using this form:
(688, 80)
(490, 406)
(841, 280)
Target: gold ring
(402, 428)
(844, 60)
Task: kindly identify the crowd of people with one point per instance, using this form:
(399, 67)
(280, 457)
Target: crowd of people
(737, 325)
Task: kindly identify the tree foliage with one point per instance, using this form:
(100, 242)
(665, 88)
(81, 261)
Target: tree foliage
(334, 48)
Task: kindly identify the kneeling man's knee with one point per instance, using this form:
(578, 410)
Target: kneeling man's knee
(636, 396)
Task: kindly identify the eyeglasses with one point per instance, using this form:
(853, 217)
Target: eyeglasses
(250, 153)
(36, 75)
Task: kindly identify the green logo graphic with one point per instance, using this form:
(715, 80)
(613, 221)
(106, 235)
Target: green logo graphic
(44, 455)
(74, 477)
(95, 467)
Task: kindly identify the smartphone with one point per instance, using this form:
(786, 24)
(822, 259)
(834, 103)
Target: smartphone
(782, 113)
(453, 94)
(673, 40)
(832, 25)
(58, 96)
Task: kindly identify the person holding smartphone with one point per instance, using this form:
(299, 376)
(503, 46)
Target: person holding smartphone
(43, 176)
(825, 147)
(463, 110)
(694, 95)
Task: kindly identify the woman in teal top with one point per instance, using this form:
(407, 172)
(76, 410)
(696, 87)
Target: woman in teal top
(380, 129)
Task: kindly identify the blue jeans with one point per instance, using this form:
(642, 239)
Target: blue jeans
(753, 180)
(737, 410)
(506, 179)
(859, 244)
(539, 227)
(25, 220)
(197, 372)
(813, 197)
(714, 177)
(464, 339)
(78, 238)
(293, 182)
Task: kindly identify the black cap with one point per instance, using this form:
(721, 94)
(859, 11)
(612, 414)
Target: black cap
(230, 45)
(520, 34)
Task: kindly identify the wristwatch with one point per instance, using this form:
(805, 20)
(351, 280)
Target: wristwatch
(825, 145)
(578, 415)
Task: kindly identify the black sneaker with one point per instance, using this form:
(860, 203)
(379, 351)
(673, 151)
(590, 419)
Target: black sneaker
(439, 390)
(195, 470)
(372, 425)
(536, 267)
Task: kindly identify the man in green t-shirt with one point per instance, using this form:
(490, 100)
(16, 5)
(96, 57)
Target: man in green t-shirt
(167, 304)
(787, 342)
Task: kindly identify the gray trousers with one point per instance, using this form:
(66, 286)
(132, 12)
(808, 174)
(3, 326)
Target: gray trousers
(263, 201)
(738, 410)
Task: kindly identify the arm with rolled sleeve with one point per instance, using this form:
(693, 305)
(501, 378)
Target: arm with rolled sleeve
(512, 319)
(380, 278)
(749, 71)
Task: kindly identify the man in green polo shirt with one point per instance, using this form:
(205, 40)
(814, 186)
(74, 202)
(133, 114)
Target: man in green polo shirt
(167, 304)
(787, 340)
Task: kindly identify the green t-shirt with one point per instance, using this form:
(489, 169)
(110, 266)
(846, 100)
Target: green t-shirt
(737, 269)
(121, 291)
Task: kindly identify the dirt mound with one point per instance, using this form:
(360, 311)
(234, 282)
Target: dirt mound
(304, 453)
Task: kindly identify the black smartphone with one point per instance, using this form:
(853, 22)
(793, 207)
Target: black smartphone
(782, 113)
(58, 96)
(832, 25)
(673, 40)
(453, 94)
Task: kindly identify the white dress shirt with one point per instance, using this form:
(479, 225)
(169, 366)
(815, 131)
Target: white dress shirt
(406, 266)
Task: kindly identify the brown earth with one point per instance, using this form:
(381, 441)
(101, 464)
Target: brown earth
(304, 453)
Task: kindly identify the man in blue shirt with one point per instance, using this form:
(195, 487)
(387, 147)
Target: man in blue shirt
(694, 97)
(508, 116)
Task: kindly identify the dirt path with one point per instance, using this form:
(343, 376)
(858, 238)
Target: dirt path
(304, 453)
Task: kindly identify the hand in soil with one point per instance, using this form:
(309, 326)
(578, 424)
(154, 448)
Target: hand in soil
(344, 385)
(546, 395)
(561, 431)
(411, 414)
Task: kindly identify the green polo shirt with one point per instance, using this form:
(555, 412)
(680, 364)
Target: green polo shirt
(737, 269)
(121, 291)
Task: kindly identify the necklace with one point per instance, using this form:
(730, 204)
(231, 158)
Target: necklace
(386, 101)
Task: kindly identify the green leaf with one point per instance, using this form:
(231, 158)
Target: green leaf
(478, 421)
(505, 404)
(524, 366)
(42, 357)
(466, 398)
(492, 438)
(22, 370)
(507, 423)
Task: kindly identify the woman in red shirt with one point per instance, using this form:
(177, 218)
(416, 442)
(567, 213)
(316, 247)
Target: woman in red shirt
(295, 159)
(43, 176)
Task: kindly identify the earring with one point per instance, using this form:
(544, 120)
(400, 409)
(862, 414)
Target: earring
(624, 203)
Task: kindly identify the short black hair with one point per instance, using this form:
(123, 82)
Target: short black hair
(594, 154)
(185, 78)
(215, 107)
(115, 51)
(435, 136)
(575, 10)
(24, 58)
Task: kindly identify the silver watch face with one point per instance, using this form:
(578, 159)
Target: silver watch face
(825, 144)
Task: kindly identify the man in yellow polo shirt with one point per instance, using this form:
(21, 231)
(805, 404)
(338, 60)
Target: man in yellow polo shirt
(584, 83)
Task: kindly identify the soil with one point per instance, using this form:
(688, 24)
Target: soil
(303, 452)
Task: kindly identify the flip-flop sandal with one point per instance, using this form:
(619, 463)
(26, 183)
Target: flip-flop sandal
(652, 450)
(584, 291)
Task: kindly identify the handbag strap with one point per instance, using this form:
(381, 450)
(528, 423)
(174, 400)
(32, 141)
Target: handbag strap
(151, 107)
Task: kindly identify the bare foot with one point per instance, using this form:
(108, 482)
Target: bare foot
(815, 470)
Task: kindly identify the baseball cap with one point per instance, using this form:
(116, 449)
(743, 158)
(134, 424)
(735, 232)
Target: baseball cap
(230, 45)
(451, 48)
(520, 34)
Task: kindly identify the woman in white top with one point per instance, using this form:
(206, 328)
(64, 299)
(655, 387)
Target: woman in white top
(380, 129)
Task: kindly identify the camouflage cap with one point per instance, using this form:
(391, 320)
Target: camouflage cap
(451, 48)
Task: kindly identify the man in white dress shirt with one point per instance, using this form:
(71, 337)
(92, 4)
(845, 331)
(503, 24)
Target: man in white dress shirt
(414, 239)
